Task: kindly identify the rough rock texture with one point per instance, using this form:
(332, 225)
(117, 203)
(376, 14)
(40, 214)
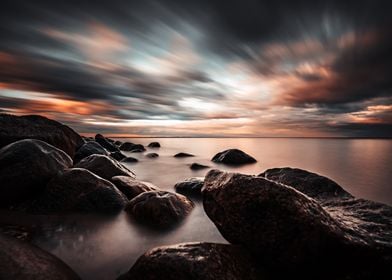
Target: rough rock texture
(233, 157)
(181, 155)
(117, 155)
(25, 168)
(154, 145)
(198, 166)
(131, 187)
(159, 209)
(14, 128)
(23, 261)
(152, 155)
(286, 228)
(104, 142)
(129, 159)
(131, 147)
(79, 190)
(89, 148)
(194, 261)
(104, 166)
(190, 187)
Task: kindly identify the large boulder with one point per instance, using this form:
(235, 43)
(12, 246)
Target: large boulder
(25, 168)
(193, 261)
(118, 155)
(23, 261)
(159, 209)
(14, 128)
(104, 142)
(90, 148)
(190, 186)
(104, 166)
(79, 190)
(287, 229)
(131, 147)
(131, 187)
(154, 145)
(233, 157)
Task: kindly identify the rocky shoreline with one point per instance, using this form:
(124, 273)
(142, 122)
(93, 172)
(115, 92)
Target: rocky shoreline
(284, 222)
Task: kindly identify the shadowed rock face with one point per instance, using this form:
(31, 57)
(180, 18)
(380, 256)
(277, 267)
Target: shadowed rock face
(79, 190)
(198, 166)
(152, 155)
(14, 128)
(286, 228)
(131, 187)
(182, 155)
(233, 157)
(194, 261)
(129, 159)
(104, 142)
(22, 261)
(159, 209)
(25, 168)
(131, 147)
(117, 155)
(90, 148)
(154, 145)
(191, 186)
(104, 166)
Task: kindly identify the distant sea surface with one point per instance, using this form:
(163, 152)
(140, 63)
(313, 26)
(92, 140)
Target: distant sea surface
(99, 247)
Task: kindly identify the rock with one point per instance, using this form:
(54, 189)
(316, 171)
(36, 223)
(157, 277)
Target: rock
(198, 166)
(154, 145)
(89, 148)
(118, 155)
(126, 146)
(79, 190)
(287, 229)
(131, 187)
(208, 261)
(104, 142)
(129, 159)
(233, 157)
(152, 155)
(182, 155)
(23, 261)
(104, 166)
(14, 128)
(131, 147)
(25, 168)
(190, 187)
(137, 148)
(118, 143)
(159, 209)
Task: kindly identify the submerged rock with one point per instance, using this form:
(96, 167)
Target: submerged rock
(152, 155)
(154, 145)
(233, 157)
(104, 166)
(287, 229)
(208, 261)
(25, 168)
(129, 159)
(104, 142)
(89, 148)
(182, 155)
(23, 261)
(198, 166)
(159, 209)
(131, 187)
(14, 128)
(190, 187)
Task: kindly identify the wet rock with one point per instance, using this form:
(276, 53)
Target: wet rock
(25, 168)
(131, 187)
(118, 143)
(129, 159)
(23, 261)
(154, 145)
(152, 155)
(14, 128)
(208, 261)
(104, 142)
(126, 146)
(285, 228)
(118, 155)
(131, 147)
(89, 148)
(233, 157)
(182, 155)
(137, 148)
(104, 166)
(190, 187)
(198, 166)
(159, 209)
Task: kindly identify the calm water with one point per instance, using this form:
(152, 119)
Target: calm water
(104, 247)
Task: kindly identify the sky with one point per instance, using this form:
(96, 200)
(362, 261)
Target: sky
(201, 68)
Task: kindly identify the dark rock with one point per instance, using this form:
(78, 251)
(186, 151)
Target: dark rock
(152, 155)
(23, 261)
(233, 157)
(25, 168)
(104, 142)
(104, 166)
(14, 128)
(78, 190)
(198, 166)
(286, 229)
(190, 187)
(131, 187)
(159, 209)
(154, 145)
(118, 155)
(208, 261)
(138, 148)
(182, 155)
(129, 159)
(126, 146)
(89, 148)
(118, 143)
